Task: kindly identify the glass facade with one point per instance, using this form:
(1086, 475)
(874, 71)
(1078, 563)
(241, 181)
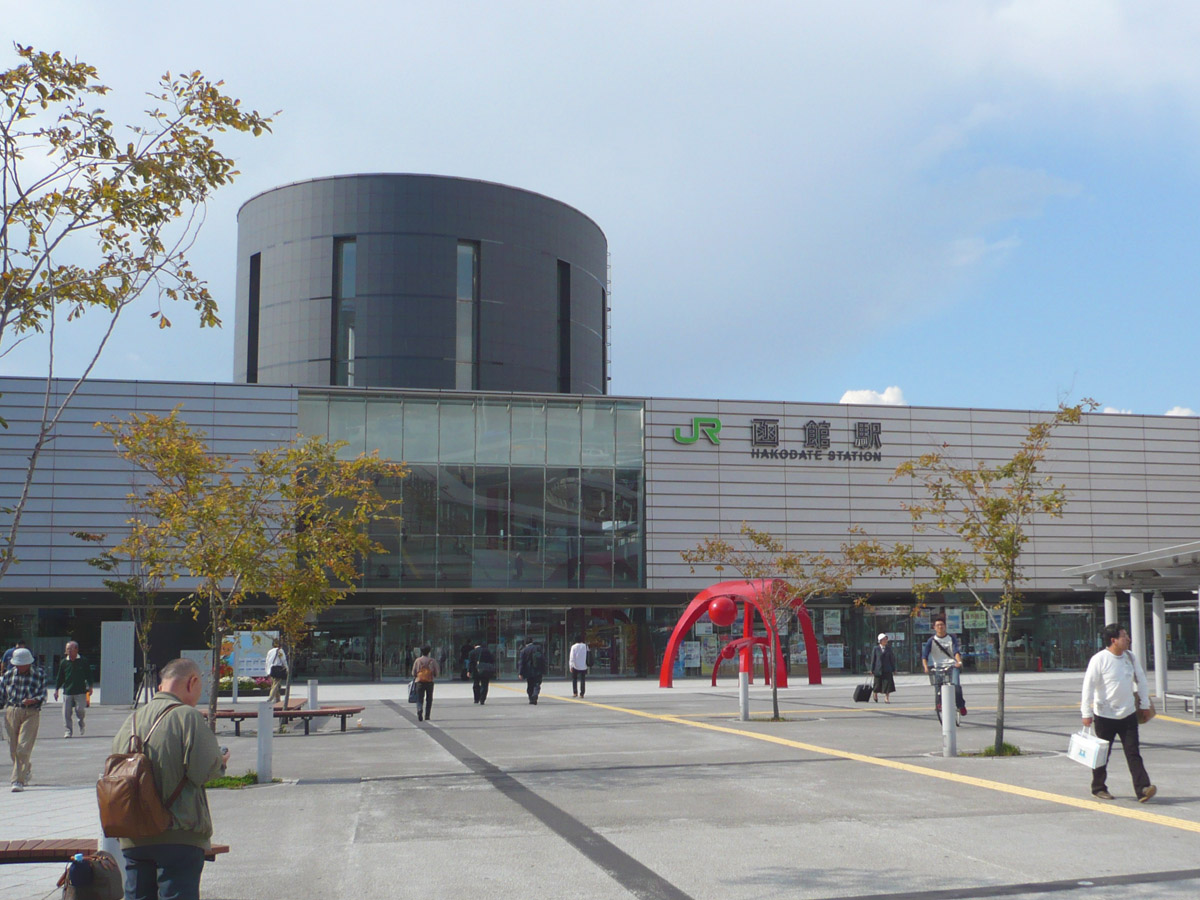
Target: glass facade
(501, 492)
(466, 330)
(345, 275)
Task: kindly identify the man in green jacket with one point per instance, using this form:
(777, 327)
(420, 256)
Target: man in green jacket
(184, 754)
(75, 681)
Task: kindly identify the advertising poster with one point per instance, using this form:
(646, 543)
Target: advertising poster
(921, 623)
(703, 628)
(691, 654)
(954, 620)
(710, 649)
(799, 651)
(250, 649)
(975, 619)
(833, 621)
(835, 656)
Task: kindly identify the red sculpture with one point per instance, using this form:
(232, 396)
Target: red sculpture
(721, 598)
(722, 611)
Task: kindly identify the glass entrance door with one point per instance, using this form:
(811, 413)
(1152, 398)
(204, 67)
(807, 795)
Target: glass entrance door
(400, 633)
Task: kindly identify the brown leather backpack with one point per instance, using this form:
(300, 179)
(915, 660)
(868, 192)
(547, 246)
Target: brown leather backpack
(130, 803)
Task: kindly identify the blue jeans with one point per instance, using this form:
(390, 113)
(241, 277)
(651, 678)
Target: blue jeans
(163, 872)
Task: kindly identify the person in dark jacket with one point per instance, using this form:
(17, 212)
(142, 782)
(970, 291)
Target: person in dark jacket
(532, 669)
(883, 664)
(75, 682)
(481, 666)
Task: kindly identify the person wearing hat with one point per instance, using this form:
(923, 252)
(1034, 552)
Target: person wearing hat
(22, 691)
(883, 664)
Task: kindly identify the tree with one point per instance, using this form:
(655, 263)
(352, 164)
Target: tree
(985, 511)
(796, 576)
(92, 219)
(292, 524)
(140, 589)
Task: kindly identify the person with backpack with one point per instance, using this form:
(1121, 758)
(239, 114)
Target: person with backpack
(184, 754)
(532, 669)
(481, 666)
(424, 669)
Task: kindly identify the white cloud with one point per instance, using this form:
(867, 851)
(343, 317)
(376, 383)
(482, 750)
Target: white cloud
(1113, 411)
(891, 396)
(1180, 411)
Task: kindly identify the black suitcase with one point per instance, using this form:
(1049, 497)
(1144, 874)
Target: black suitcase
(862, 693)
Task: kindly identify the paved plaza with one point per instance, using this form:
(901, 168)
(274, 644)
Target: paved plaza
(642, 792)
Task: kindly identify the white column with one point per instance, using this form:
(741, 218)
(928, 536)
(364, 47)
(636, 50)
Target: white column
(1160, 646)
(1110, 607)
(949, 721)
(312, 693)
(266, 725)
(1137, 625)
(117, 640)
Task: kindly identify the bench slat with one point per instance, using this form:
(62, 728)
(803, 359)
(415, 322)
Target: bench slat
(63, 849)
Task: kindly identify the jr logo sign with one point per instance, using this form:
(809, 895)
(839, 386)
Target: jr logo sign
(701, 425)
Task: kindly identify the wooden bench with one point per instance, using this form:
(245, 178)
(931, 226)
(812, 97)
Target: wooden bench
(62, 850)
(237, 716)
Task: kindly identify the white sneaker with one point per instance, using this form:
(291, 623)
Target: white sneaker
(67, 734)
(17, 787)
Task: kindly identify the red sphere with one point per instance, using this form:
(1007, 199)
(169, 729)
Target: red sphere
(722, 611)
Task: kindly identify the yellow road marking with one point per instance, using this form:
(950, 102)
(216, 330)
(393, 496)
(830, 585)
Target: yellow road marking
(1140, 815)
(887, 707)
(1191, 722)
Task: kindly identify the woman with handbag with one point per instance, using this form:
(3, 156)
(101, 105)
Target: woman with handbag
(883, 664)
(425, 669)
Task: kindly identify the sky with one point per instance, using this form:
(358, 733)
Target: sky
(967, 204)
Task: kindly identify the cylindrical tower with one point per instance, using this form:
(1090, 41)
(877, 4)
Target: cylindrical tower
(420, 281)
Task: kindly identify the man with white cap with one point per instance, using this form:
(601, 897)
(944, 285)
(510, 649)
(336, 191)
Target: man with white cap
(22, 691)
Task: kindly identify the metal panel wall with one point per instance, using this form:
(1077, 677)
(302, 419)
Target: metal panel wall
(1134, 481)
(81, 484)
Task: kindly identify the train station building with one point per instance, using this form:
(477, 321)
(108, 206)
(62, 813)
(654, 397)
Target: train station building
(462, 327)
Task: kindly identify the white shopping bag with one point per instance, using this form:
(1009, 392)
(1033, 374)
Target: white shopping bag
(1088, 749)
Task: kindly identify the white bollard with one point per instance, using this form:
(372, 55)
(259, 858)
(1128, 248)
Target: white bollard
(266, 725)
(744, 696)
(312, 693)
(111, 846)
(949, 721)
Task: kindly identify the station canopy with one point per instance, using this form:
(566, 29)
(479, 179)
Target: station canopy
(1168, 569)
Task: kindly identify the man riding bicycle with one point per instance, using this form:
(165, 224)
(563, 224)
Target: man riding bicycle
(942, 651)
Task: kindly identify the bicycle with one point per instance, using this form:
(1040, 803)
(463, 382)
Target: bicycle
(938, 676)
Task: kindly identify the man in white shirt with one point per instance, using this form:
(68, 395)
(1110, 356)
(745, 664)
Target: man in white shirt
(1111, 704)
(276, 665)
(579, 667)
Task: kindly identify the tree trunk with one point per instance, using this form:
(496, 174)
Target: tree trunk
(774, 665)
(287, 684)
(218, 638)
(1005, 626)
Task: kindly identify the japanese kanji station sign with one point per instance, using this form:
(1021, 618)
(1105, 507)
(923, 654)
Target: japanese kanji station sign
(821, 442)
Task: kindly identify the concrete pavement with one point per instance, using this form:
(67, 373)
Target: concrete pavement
(641, 792)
